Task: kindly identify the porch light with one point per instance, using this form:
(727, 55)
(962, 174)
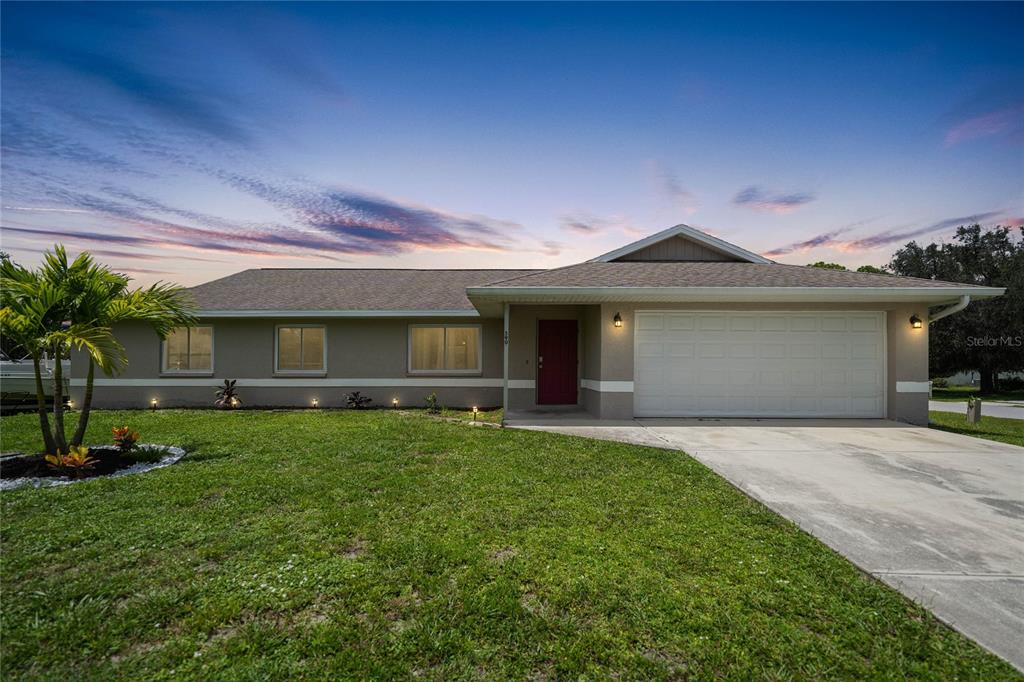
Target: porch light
(316, 402)
(71, 404)
(152, 404)
(915, 322)
(617, 320)
(394, 403)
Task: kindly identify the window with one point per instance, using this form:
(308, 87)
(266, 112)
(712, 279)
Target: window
(189, 349)
(300, 348)
(437, 348)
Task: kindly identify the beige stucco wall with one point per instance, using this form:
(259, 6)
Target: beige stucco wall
(906, 353)
(370, 349)
(357, 348)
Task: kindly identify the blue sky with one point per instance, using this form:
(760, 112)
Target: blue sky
(188, 141)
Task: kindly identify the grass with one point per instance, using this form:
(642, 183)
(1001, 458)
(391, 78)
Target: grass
(990, 428)
(358, 545)
(960, 394)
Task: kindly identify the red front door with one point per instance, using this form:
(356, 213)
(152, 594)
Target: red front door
(556, 362)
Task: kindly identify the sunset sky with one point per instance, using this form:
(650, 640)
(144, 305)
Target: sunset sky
(188, 141)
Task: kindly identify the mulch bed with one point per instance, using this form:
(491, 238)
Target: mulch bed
(109, 459)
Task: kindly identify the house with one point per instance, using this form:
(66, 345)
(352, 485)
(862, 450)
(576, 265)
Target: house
(678, 324)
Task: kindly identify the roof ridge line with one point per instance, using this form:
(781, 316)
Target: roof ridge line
(512, 279)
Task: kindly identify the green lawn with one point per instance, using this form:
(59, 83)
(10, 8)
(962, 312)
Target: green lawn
(991, 428)
(960, 394)
(326, 544)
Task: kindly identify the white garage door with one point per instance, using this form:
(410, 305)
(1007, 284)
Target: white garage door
(731, 364)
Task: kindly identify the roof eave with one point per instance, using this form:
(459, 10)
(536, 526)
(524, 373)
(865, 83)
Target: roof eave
(933, 296)
(213, 313)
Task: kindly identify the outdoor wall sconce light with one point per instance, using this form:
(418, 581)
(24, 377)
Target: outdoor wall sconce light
(475, 410)
(617, 320)
(915, 322)
(71, 404)
(316, 402)
(152, 404)
(394, 403)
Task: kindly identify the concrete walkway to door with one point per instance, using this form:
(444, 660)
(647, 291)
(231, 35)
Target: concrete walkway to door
(936, 515)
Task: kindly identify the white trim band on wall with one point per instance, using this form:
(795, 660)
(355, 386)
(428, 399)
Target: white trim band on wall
(522, 383)
(439, 382)
(913, 386)
(607, 386)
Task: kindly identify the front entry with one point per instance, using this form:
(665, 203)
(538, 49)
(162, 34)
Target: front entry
(556, 362)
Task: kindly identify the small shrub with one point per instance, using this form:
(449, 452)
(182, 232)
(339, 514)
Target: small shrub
(125, 438)
(940, 383)
(432, 405)
(356, 401)
(1011, 384)
(227, 396)
(75, 461)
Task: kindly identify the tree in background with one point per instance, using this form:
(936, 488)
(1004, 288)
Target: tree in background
(987, 336)
(872, 270)
(826, 266)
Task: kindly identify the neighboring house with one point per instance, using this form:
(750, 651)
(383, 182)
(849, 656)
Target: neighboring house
(678, 324)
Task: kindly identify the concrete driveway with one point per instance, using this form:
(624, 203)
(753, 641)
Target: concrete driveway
(936, 515)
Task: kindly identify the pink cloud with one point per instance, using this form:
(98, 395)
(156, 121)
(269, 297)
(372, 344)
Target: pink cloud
(1009, 120)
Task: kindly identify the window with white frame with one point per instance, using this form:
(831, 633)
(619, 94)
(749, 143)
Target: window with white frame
(435, 348)
(188, 349)
(300, 348)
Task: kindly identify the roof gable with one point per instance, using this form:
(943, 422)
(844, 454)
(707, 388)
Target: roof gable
(681, 243)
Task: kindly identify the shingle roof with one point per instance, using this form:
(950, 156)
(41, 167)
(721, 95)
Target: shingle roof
(705, 274)
(345, 289)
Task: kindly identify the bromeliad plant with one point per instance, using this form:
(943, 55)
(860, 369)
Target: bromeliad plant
(227, 396)
(124, 438)
(356, 401)
(76, 461)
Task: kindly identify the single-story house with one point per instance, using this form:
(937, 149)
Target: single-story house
(678, 324)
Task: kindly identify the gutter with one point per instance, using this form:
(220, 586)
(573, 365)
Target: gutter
(936, 295)
(950, 310)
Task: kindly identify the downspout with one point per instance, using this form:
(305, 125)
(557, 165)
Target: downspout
(949, 310)
(504, 382)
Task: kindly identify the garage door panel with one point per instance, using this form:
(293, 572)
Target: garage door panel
(681, 350)
(759, 364)
(835, 351)
(773, 323)
(711, 323)
(743, 323)
(803, 323)
(711, 351)
(834, 324)
(742, 351)
(865, 323)
(681, 322)
(865, 351)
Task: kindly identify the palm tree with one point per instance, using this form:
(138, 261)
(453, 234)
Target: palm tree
(73, 306)
(105, 300)
(33, 314)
